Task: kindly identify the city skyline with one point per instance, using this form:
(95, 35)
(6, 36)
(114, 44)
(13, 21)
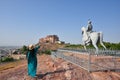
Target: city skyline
(24, 22)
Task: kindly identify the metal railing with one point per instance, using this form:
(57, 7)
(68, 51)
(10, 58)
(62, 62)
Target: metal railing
(88, 60)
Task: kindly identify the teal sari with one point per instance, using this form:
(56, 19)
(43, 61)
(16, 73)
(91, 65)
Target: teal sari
(32, 61)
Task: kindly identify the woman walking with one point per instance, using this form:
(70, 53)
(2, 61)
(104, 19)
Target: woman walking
(32, 60)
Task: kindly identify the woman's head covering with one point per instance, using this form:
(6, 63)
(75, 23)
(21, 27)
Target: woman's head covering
(31, 46)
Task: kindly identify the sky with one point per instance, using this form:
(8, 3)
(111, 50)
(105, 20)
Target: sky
(24, 22)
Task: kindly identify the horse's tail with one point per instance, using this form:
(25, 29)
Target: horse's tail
(101, 36)
(101, 39)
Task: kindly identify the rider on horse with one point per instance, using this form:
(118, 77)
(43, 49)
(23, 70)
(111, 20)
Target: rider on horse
(89, 27)
(89, 30)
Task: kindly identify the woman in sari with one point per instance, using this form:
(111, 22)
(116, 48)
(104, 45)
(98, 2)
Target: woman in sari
(32, 60)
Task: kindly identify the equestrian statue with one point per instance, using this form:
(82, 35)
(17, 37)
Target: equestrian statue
(91, 37)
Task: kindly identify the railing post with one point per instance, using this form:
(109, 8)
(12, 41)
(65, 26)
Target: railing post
(89, 61)
(114, 59)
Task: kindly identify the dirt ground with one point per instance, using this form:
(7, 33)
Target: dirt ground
(57, 69)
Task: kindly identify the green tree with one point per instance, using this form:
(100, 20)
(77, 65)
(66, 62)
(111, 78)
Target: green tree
(24, 50)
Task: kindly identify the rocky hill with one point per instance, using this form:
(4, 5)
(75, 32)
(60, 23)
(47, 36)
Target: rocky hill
(53, 69)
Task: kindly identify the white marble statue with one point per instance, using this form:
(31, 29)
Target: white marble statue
(89, 36)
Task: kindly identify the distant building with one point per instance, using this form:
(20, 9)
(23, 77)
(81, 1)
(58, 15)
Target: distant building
(49, 39)
(60, 42)
(3, 53)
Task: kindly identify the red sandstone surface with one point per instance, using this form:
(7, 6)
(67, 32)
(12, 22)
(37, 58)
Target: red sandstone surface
(58, 69)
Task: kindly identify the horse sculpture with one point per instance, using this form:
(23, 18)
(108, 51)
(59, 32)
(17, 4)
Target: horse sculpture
(92, 37)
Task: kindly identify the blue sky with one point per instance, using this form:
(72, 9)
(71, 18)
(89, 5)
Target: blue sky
(24, 22)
